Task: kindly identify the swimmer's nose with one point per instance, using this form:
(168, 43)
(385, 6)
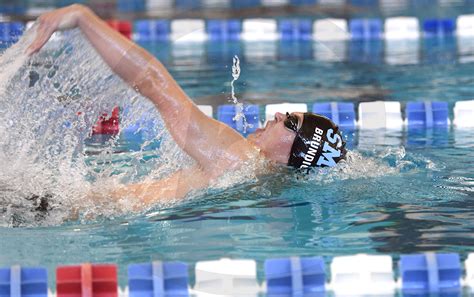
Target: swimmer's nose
(279, 116)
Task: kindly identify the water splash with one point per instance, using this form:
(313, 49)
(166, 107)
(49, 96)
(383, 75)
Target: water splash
(373, 163)
(239, 106)
(48, 106)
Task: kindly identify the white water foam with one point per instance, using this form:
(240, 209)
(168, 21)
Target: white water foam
(48, 105)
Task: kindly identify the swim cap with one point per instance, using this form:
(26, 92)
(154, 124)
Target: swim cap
(318, 143)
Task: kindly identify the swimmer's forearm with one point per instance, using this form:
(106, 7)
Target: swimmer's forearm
(129, 61)
(171, 189)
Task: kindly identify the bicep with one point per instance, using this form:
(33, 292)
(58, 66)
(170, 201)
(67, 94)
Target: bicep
(203, 138)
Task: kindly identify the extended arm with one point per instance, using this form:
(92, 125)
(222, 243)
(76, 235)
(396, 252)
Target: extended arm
(175, 186)
(215, 146)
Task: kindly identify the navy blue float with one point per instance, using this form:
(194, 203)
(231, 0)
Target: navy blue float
(187, 4)
(296, 29)
(242, 4)
(303, 2)
(226, 114)
(295, 276)
(427, 114)
(158, 279)
(366, 28)
(430, 272)
(23, 282)
(11, 31)
(438, 27)
(342, 114)
(131, 5)
(152, 30)
(218, 30)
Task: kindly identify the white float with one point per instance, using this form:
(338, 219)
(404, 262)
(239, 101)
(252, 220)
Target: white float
(188, 30)
(259, 30)
(464, 114)
(402, 28)
(380, 114)
(283, 108)
(226, 277)
(206, 109)
(330, 30)
(362, 275)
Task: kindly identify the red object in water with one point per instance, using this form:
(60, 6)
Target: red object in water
(124, 27)
(108, 125)
(87, 281)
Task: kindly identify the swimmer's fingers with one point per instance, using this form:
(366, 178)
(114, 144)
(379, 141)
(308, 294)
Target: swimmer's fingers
(44, 31)
(57, 20)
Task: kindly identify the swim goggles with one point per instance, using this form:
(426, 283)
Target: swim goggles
(291, 122)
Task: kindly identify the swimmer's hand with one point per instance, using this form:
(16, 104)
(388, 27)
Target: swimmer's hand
(57, 20)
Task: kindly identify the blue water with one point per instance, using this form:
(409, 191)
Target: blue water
(425, 69)
(401, 192)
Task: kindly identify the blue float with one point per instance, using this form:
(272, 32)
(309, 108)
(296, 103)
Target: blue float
(131, 5)
(295, 276)
(158, 279)
(365, 3)
(438, 27)
(366, 28)
(17, 7)
(218, 30)
(187, 4)
(139, 131)
(342, 114)
(226, 114)
(11, 31)
(152, 30)
(427, 114)
(303, 2)
(242, 4)
(295, 29)
(430, 272)
(23, 282)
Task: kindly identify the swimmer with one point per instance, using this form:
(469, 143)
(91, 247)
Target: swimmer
(299, 140)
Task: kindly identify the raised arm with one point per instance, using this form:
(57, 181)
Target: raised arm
(215, 146)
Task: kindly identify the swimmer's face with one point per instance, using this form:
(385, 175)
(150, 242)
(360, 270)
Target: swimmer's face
(275, 139)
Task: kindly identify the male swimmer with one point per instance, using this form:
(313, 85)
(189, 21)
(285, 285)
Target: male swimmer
(299, 140)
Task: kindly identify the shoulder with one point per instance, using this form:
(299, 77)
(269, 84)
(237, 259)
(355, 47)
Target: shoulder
(234, 157)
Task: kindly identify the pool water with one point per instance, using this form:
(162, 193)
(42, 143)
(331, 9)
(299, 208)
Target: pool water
(400, 192)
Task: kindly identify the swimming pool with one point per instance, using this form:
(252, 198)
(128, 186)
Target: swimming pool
(406, 191)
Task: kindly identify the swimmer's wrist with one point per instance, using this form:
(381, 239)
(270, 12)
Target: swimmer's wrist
(84, 14)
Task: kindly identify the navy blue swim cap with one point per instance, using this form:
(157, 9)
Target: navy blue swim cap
(318, 143)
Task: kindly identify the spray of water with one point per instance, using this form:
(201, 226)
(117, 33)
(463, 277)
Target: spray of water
(239, 106)
(48, 106)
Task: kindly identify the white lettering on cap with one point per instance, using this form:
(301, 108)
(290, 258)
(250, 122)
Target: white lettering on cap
(313, 148)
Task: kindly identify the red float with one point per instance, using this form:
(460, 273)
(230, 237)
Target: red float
(124, 27)
(109, 125)
(87, 280)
